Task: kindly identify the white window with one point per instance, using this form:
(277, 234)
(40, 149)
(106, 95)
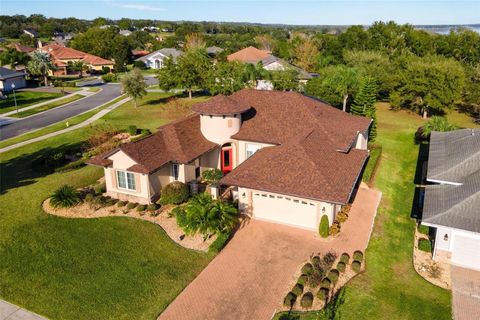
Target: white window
(175, 171)
(251, 149)
(126, 180)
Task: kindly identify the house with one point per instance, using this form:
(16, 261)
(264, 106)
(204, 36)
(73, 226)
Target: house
(22, 48)
(31, 33)
(269, 62)
(61, 56)
(156, 59)
(452, 201)
(139, 53)
(9, 77)
(125, 33)
(214, 51)
(289, 158)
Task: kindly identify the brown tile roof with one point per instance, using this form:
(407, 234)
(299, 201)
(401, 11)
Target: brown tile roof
(180, 141)
(277, 116)
(59, 52)
(308, 166)
(22, 48)
(220, 104)
(248, 55)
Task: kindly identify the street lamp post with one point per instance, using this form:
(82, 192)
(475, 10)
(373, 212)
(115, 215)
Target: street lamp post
(14, 97)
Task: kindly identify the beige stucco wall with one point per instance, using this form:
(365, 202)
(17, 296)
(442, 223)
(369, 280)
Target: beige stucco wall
(247, 206)
(219, 129)
(159, 179)
(210, 160)
(242, 149)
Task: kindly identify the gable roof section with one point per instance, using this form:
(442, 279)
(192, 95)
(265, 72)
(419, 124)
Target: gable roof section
(248, 55)
(180, 141)
(308, 166)
(59, 52)
(219, 105)
(454, 157)
(22, 48)
(277, 116)
(6, 73)
(166, 52)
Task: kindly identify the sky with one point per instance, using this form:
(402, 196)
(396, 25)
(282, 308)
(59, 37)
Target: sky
(310, 12)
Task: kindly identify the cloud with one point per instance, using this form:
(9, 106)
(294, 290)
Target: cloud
(134, 6)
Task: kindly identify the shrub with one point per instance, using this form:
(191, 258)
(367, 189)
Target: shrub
(174, 193)
(307, 300)
(358, 255)
(334, 228)
(110, 77)
(345, 257)
(219, 243)
(132, 130)
(326, 283)
(316, 260)
(145, 132)
(323, 227)
(131, 205)
(323, 294)
(122, 203)
(342, 217)
(356, 265)
(372, 164)
(333, 275)
(89, 197)
(341, 266)
(302, 279)
(111, 202)
(141, 208)
(152, 207)
(307, 268)
(328, 259)
(297, 289)
(424, 245)
(423, 229)
(289, 300)
(212, 176)
(100, 188)
(65, 197)
(139, 65)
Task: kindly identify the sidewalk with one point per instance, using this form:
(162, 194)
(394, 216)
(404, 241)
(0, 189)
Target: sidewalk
(10, 311)
(77, 126)
(83, 92)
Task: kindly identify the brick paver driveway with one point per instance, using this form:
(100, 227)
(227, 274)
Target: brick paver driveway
(465, 294)
(250, 277)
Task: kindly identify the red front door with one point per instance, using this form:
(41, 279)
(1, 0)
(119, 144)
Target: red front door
(227, 160)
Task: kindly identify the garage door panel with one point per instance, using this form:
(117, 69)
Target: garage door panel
(286, 210)
(466, 252)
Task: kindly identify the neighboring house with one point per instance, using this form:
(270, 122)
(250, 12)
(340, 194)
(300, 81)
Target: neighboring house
(125, 32)
(139, 53)
(22, 48)
(62, 39)
(31, 33)
(269, 62)
(452, 205)
(9, 77)
(155, 60)
(289, 158)
(214, 51)
(61, 56)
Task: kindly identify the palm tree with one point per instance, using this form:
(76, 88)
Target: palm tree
(437, 123)
(40, 64)
(206, 216)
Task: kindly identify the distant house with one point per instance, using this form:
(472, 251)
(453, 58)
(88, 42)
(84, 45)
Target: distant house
(61, 56)
(61, 38)
(139, 53)
(214, 51)
(9, 77)
(125, 32)
(22, 48)
(452, 200)
(31, 33)
(155, 60)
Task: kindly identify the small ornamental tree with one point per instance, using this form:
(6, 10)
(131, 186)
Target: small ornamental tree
(134, 85)
(323, 227)
(212, 176)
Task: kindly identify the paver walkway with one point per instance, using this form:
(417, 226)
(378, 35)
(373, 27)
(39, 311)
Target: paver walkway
(80, 125)
(250, 277)
(10, 311)
(465, 294)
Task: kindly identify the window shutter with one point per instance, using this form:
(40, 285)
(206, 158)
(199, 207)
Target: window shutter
(137, 183)
(114, 178)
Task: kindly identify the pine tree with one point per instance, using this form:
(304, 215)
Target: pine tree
(364, 103)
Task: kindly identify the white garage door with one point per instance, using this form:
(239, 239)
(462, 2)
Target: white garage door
(286, 210)
(466, 252)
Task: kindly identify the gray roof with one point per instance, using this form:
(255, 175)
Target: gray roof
(168, 52)
(302, 74)
(8, 73)
(454, 158)
(214, 50)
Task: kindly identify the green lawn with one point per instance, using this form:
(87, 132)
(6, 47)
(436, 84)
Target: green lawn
(462, 120)
(107, 268)
(57, 126)
(48, 106)
(390, 288)
(25, 99)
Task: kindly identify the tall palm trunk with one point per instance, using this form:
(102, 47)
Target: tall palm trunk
(345, 98)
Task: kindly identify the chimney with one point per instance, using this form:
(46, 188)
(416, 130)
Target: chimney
(39, 44)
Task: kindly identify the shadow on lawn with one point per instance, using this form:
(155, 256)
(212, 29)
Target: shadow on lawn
(26, 168)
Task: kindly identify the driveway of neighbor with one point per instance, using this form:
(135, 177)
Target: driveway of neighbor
(10, 311)
(465, 294)
(250, 277)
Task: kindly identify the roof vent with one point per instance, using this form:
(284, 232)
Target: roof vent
(473, 132)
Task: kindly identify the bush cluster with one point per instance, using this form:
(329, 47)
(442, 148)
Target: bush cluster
(219, 243)
(307, 300)
(424, 245)
(132, 130)
(100, 188)
(110, 77)
(174, 193)
(289, 300)
(122, 203)
(132, 205)
(141, 207)
(423, 229)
